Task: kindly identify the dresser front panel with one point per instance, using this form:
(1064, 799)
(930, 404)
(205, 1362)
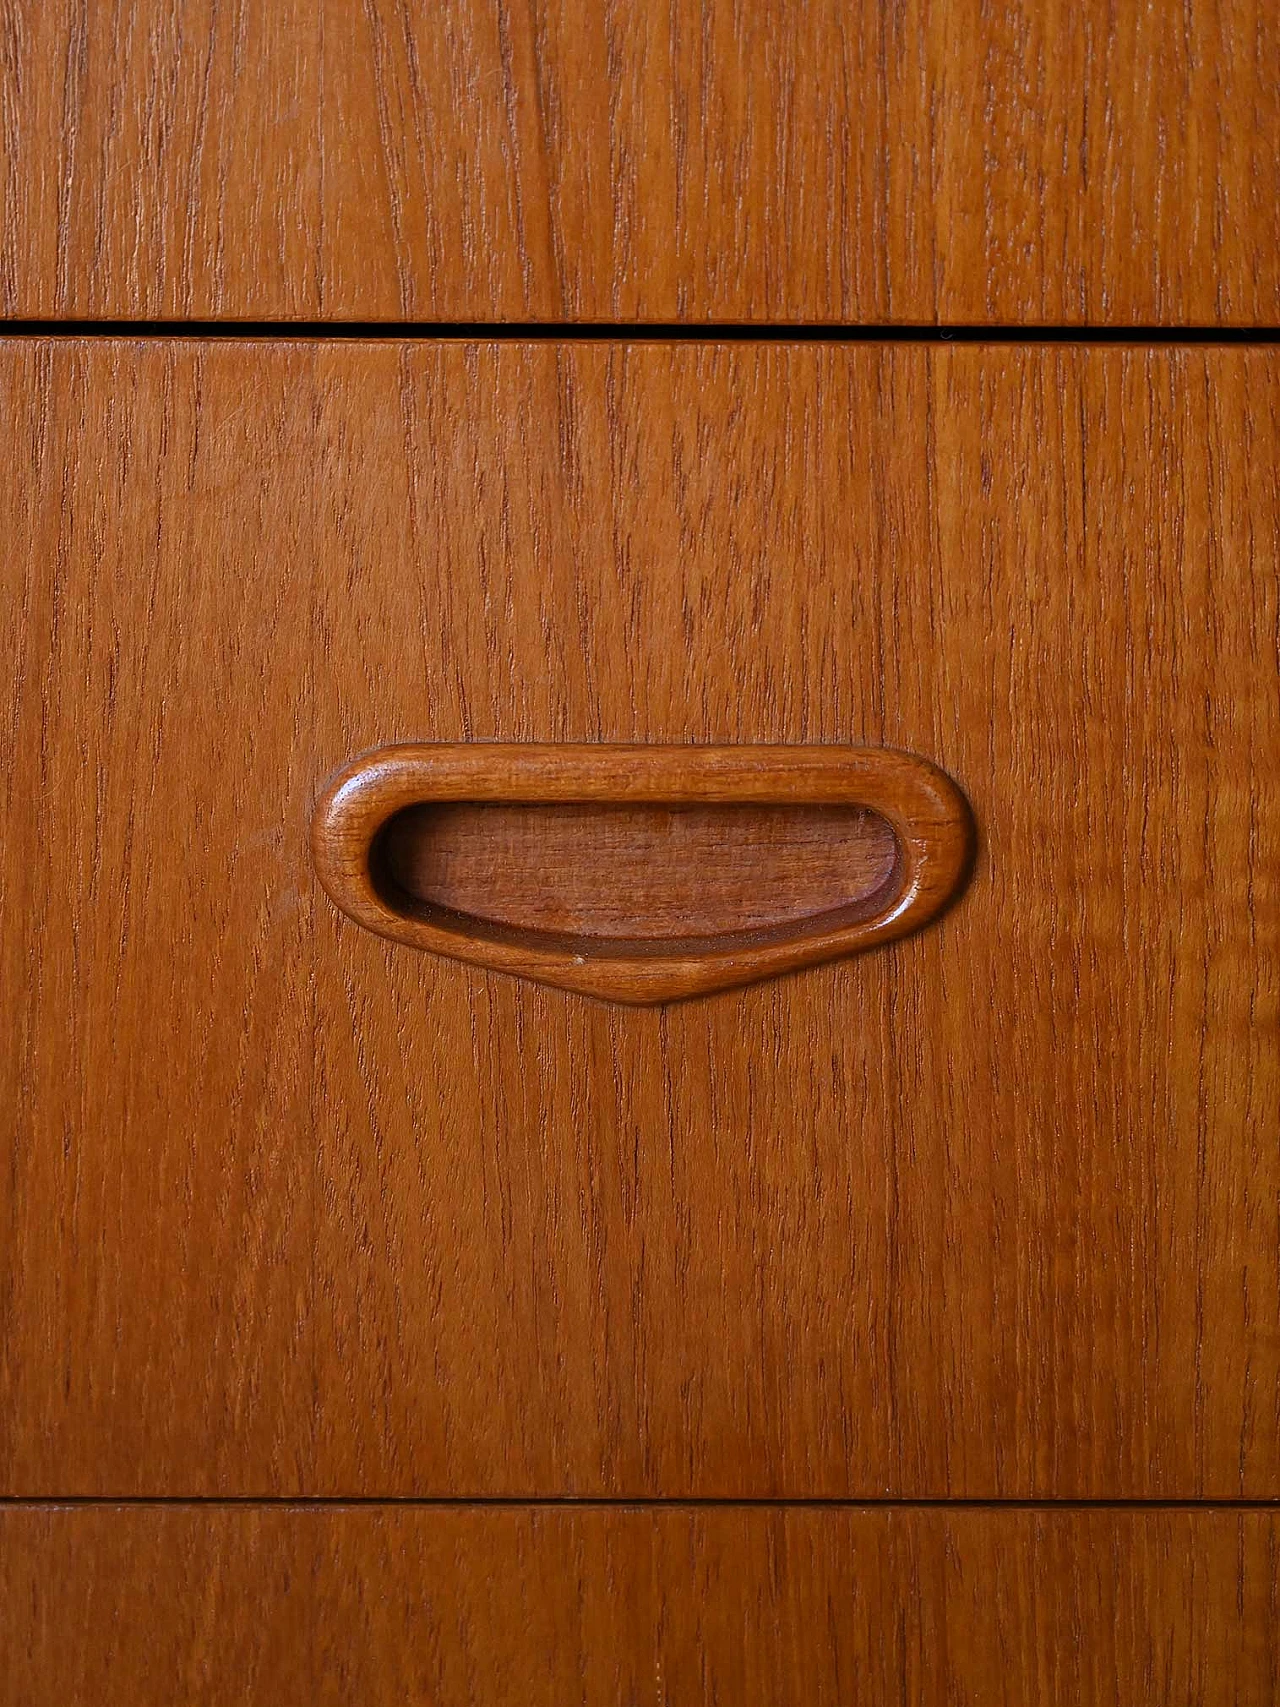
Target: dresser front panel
(156, 1173)
(579, 1606)
(1028, 162)
(292, 1209)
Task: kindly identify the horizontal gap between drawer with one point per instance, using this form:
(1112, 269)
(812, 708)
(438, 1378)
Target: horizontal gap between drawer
(504, 1503)
(654, 332)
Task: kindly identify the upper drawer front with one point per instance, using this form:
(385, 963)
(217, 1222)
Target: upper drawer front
(291, 1208)
(809, 160)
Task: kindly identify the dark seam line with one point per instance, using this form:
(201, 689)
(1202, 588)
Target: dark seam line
(659, 332)
(456, 1502)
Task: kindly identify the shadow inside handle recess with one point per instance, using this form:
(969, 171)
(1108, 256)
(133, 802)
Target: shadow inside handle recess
(602, 875)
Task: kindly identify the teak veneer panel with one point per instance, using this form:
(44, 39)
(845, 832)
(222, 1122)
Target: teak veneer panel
(1010, 161)
(155, 1181)
(988, 1212)
(586, 1606)
(992, 1211)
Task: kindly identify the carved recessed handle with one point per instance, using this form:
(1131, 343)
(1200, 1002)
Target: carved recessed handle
(641, 874)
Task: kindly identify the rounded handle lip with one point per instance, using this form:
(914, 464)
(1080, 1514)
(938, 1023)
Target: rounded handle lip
(929, 816)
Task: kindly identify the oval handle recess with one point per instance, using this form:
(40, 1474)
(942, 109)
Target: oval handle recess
(640, 873)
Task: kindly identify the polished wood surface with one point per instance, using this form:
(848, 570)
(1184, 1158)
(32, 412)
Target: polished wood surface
(160, 159)
(928, 855)
(990, 1211)
(155, 1064)
(141, 1606)
(611, 873)
(1033, 161)
(288, 1208)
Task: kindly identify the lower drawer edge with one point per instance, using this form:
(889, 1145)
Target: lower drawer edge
(550, 1605)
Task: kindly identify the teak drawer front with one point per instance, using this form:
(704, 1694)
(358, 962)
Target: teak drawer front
(585, 1606)
(1050, 161)
(289, 1208)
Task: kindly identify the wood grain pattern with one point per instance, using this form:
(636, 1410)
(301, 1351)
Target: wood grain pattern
(137, 1606)
(161, 158)
(617, 872)
(155, 1220)
(288, 1209)
(989, 1212)
(590, 1606)
(931, 837)
(1048, 161)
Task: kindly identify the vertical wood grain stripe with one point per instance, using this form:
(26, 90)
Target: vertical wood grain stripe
(1033, 161)
(668, 1607)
